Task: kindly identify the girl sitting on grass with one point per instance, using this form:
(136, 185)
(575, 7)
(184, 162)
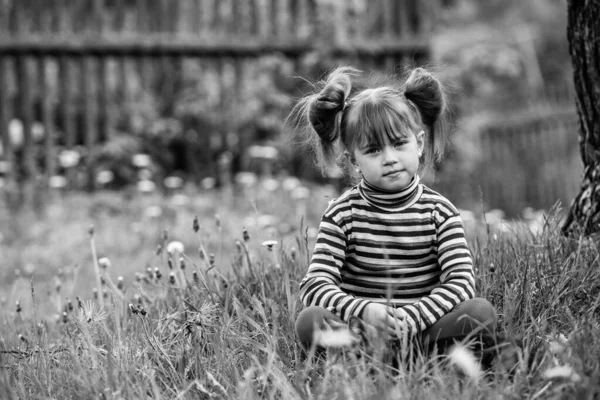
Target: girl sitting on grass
(390, 250)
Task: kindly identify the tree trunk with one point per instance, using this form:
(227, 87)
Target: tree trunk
(583, 33)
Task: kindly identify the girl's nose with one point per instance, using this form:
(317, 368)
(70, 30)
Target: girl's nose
(389, 157)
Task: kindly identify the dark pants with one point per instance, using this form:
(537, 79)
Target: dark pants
(472, 315)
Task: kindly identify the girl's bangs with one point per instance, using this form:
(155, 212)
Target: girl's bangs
(373, 125)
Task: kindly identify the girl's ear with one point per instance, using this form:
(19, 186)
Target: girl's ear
(421, 141)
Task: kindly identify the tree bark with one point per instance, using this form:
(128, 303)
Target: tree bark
(583, 34)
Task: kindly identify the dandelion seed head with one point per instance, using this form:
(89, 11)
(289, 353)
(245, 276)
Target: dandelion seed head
(342, 337)
(104, 263)
(153, 211)
(465, 361)
(175, 246)
(562, 372)
(269, 244)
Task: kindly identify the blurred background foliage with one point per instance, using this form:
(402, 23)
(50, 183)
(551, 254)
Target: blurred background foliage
(505, 63)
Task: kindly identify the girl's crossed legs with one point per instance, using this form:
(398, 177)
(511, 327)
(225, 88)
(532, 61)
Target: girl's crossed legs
(474, 315)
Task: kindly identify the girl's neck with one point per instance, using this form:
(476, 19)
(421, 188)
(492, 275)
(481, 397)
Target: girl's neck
(390, 200)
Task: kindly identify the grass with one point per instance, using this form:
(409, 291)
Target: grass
(227, 330)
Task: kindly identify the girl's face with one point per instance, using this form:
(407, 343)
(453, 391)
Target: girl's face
(392, 165)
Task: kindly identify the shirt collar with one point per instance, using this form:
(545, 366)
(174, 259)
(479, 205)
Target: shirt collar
(390, 200)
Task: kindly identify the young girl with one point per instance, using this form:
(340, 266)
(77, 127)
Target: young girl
(390, 250)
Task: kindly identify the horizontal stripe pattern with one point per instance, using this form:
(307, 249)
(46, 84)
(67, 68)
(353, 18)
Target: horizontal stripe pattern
(416, 258)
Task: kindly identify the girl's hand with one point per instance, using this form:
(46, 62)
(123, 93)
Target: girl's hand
(389, 319)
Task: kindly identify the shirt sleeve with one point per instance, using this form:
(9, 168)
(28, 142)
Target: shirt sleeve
(321, 285)
(457, 281)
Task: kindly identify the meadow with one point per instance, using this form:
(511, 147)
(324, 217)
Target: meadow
(192, 294)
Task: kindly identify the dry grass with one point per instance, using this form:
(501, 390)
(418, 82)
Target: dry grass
(222, 327)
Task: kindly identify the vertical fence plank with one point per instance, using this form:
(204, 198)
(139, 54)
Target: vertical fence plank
(5, 110)
(403, 19)
(47, 119)
(89, 116)
(103, 100)
(26, 115)
(118, 15)
(66, 104)
(263, 11)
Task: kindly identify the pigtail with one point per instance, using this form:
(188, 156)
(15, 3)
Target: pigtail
(316, 117)
(427, 94)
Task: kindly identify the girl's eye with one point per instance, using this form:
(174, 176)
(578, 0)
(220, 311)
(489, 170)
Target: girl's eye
(371, 150)
(400, 143)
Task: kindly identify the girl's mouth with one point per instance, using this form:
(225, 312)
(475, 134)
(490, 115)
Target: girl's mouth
(392, 174)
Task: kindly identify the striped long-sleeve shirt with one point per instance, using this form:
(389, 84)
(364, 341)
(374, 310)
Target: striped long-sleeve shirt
(405, 249)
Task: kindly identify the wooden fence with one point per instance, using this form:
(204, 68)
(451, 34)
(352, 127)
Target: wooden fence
(526, 159)
(67, 66)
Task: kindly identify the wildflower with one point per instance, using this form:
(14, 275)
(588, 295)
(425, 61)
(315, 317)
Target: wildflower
(149, 272)
(218, 221)
(18, 307)
(159, 249)
(290, 183)
(141, 160)
(172, 278)
(137, 309)
(170, 263)
(146, 186)
(120, 283)
(157, 273)
(40, 328)
(57, 182)
(79, 302)
(465, 361)
(91, 230)
(293, 253)
(208, 183)
(68, 158)
(153, 211)
(65, 317)
(270, 184)
(88, 312)
(269, 244)
(23, 339)
(104, 177)
(95, 293)
(300, 193)
(105, 293)
(561, 372)
(57, 285)
(238, 246)
(175, 246)
(211, 260)
(102, 281)
(245, 235)
(173, 182)
(246, 179)
(69, 305)
(342, 337)
(196, 224)
(492, 268)
(195, 277)
(181, 263)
